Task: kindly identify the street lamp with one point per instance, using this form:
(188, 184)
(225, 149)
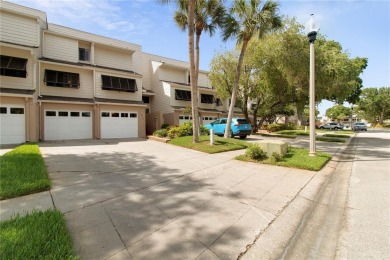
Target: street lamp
(312, 29)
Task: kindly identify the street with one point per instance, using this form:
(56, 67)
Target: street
(343, 213)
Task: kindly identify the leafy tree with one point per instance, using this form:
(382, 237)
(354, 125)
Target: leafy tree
(338, 112)
(245, 20)
(375, 104)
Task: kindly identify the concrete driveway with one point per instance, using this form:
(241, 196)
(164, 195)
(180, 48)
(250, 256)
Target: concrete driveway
(144, 199)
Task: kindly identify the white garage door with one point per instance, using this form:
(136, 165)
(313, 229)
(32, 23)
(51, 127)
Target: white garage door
(118, 124)
(12, 124)
(183, 119)
(209, 119)
(63, 125)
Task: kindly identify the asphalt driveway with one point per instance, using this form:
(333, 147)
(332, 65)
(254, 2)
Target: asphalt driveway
(144, 199)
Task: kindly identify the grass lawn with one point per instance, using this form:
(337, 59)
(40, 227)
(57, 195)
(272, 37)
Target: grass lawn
(337, 135)
(220, 144)
(330, 139)
(290, 136)
(22, 171)
(293, 132)
(295, 158)
(38, 235)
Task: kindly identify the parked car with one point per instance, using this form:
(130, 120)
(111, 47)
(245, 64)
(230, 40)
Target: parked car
(332, 126)
(359, 127)
(239, 127)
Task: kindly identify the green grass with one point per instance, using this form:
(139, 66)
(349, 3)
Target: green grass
(295, 158)
(38, 235)
(337, 135)
(22, 171)
(330, 139)
(280, 135)
(220, 144)
(293, 132)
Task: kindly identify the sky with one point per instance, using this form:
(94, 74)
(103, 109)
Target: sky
(362, 28)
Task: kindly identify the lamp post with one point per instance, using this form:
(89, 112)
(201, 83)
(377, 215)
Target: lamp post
(312, 29)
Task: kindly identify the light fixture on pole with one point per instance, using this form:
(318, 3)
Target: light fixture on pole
(311, 30)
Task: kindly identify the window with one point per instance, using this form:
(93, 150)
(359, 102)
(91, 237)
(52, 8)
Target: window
(218, 102)
(134, 115)
(75, 114)
(51, 113)
(86, 114)
(13, 67)
(84, 54)
(114, 114)
(63, 113)
(205, 98)
(120, 84)
(182, 95)
(3, 110)
(61, 79)
(124, 115)
(17, 110)
(105, 114)
(145, 100)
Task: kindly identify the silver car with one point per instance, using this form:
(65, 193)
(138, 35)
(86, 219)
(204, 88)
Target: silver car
(359, 127)
(332, 126)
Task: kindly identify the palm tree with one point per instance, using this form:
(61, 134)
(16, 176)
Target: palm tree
(191, 30)
(248, 19)
(209, 15)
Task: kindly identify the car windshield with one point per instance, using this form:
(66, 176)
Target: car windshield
(242, 121)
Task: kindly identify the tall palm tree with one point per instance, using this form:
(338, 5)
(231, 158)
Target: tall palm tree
(209, 14)
(191, 30)
(246, 19)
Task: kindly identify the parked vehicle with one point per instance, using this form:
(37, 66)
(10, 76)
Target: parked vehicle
(239, 127)
(359, 127)
(332, 126)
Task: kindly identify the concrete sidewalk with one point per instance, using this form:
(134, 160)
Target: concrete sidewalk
(145, 199)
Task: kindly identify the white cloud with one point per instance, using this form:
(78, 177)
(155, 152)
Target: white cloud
(97, 16)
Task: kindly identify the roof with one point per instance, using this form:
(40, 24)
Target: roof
(66, 99)
(184, 84)
(17, 91)
(80, 64)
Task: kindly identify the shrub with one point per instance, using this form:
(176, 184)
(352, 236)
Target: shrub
(255, 152)
(276, 157)
(164, 126)
(161, 133)
(185, 130)
(280, 127)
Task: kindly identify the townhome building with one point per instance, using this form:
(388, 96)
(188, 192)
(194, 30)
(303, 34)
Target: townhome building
(58, 83)
(169, 81)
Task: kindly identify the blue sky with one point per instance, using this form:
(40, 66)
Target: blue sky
(362, 28)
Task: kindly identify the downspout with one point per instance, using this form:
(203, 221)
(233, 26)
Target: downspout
(40, 121)
(27, 118)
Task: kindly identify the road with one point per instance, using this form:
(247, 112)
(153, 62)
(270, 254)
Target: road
(351, 219)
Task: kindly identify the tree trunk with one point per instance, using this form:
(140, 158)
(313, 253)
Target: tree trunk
(235, 88)
(194, 86)
(299, 114)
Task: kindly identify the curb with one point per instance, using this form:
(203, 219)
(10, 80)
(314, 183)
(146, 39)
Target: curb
(271, 243)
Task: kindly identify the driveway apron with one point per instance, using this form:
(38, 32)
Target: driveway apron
(142, 199)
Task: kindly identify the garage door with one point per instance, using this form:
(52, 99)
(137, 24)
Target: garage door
(63, 125)
(184, 118)
(12, 124)
(209, 119)
(118, 124)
